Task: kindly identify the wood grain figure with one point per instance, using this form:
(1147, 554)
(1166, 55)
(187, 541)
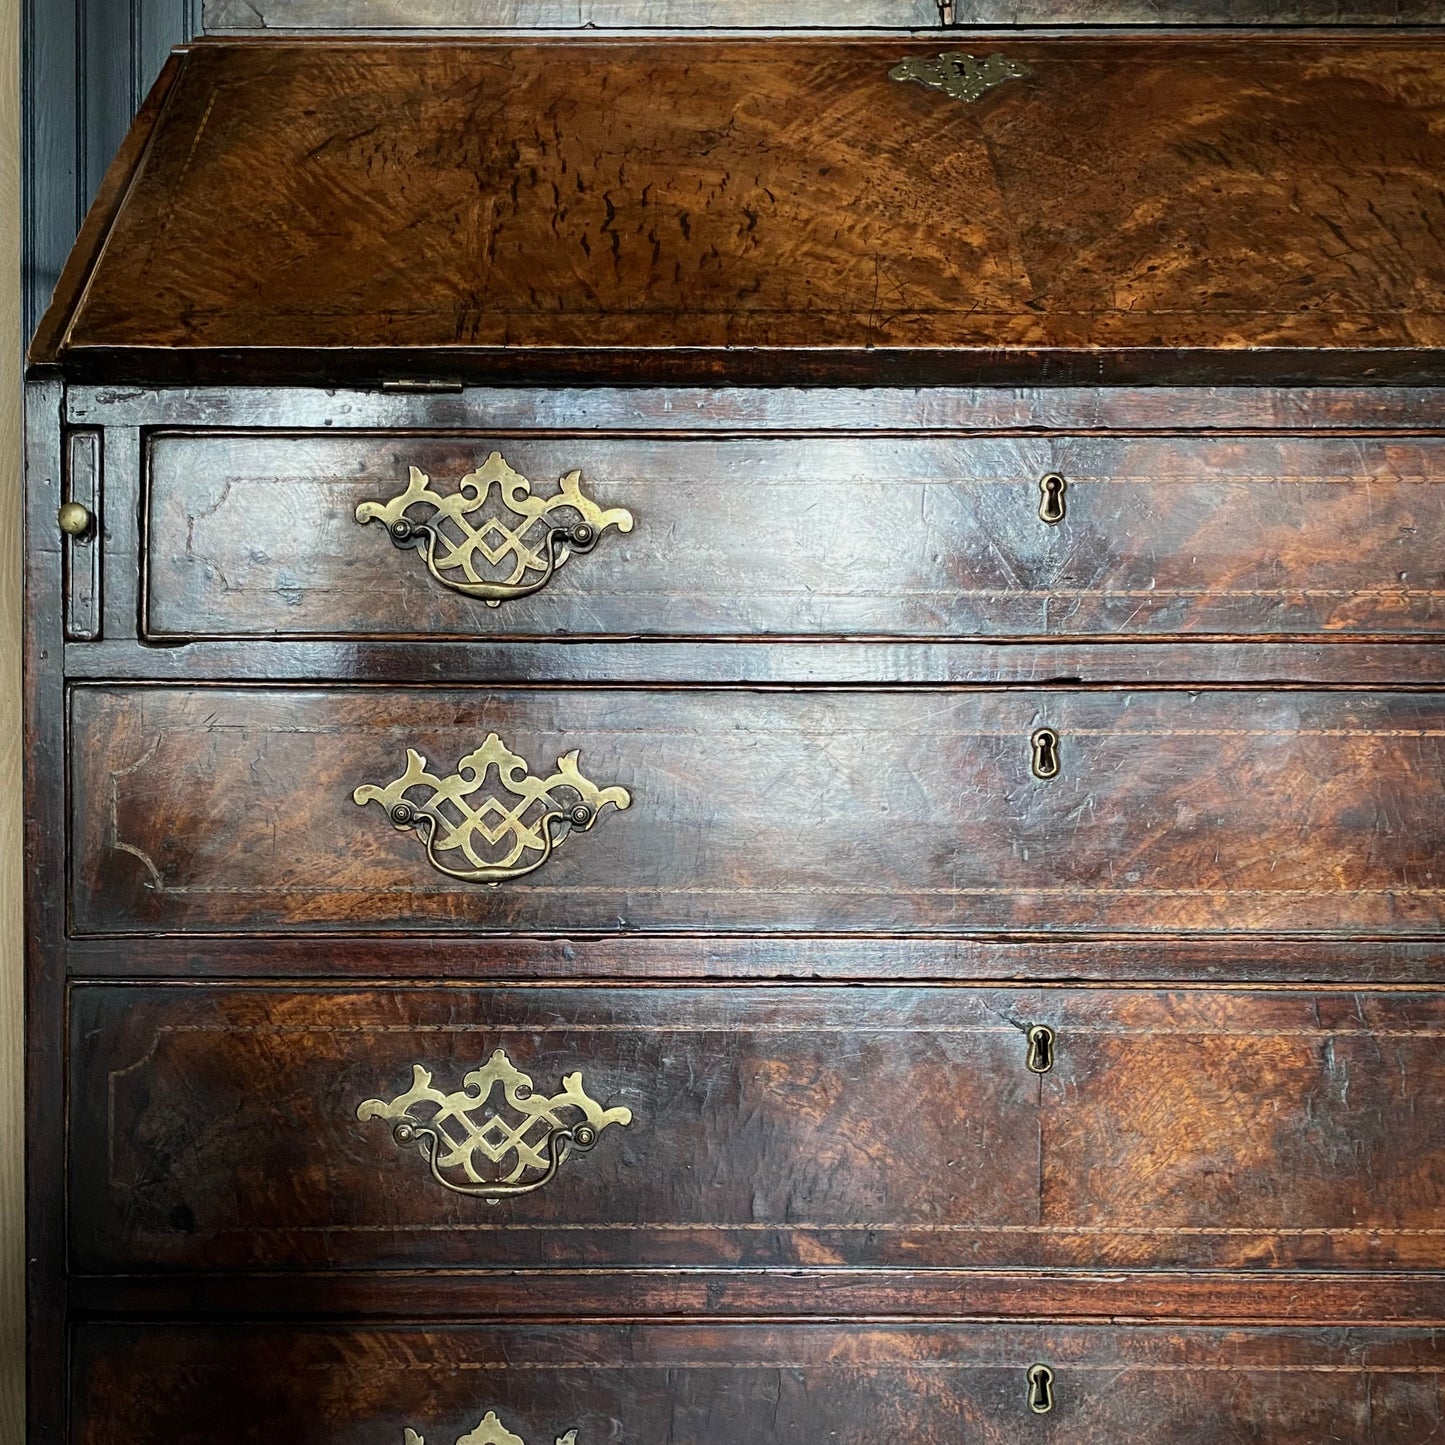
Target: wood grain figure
(777, 211)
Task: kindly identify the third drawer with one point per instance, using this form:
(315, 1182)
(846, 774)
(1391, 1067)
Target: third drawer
(230, 1128)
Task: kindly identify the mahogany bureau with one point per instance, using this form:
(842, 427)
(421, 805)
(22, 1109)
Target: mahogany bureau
(740, 739)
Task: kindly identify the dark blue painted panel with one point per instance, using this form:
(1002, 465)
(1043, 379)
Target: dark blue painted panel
(86, 67)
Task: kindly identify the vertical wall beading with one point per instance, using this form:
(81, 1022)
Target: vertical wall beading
(136, 39)
(50, 159)
(108, 85)
(83, 111)
(86, 67)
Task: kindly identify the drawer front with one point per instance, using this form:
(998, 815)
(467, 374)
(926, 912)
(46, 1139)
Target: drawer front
(224, 1128)
(257, 535)
(848, 812)
(766, 1385)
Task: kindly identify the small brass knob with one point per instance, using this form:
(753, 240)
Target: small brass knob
(75, 520)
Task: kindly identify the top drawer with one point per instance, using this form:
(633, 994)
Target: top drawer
(986, 536)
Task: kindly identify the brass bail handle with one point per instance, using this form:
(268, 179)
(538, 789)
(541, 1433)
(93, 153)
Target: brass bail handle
(1044, 746)
(1041, 1389)
(1051, 498)
(1041, 1049)
(578, 818)
(559, 1146)
(490, 537)
(496, 1137)
(452, 814)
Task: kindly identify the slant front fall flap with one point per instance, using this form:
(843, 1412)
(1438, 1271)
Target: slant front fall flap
(799, 209)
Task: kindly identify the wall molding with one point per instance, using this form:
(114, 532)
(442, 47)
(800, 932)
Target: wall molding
(86, 65)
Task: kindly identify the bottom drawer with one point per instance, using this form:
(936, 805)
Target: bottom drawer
(753, 1385)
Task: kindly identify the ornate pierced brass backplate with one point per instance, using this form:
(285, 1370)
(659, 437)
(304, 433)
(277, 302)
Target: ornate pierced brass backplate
(494, 1151)
(490, 1432)
(496, 831)
(495, 552)
(962, 76)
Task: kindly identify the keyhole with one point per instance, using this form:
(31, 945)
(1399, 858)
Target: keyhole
(1051, 505)
(1041, 1389)
(1045, 743)
(1041, 1049)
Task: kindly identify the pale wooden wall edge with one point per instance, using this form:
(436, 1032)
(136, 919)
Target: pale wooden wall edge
(12, 1150)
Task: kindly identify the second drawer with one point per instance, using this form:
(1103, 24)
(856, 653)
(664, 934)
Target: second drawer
(653, 811)
(217, 1127)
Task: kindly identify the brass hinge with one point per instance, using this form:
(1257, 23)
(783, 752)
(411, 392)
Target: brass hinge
(945, 12)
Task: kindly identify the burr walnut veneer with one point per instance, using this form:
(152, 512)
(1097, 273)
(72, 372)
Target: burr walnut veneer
(742, 740)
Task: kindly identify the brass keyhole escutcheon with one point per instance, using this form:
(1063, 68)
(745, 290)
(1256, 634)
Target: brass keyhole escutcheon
(1041, 1049)
(1041, 1389)
(1045, 745)
(1051, 503)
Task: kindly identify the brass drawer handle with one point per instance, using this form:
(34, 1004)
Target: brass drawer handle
(1041, 1389)
(499, 837)
(459, 543)
(490, 1432)
(476, 1148)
